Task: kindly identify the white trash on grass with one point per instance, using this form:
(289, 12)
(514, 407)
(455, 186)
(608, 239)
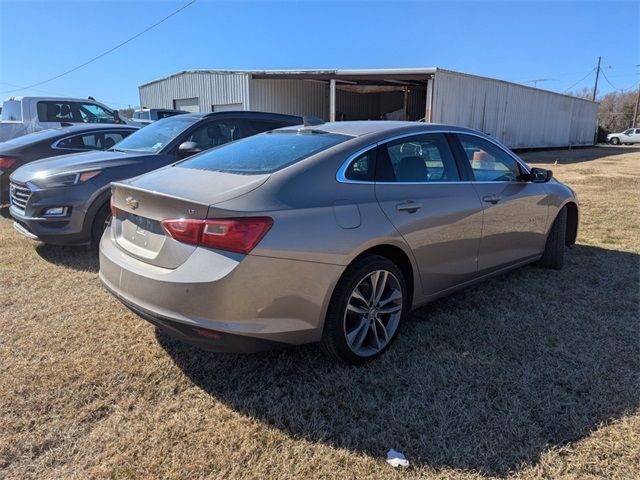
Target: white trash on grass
(396, 459)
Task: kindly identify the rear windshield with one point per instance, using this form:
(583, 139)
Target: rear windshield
(265, 153)
(12, 111)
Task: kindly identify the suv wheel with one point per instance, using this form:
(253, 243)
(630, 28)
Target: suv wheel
(365, 311)
(100, 222)
(615, 141)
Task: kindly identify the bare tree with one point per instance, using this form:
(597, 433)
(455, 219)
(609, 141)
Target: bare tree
(616, 111)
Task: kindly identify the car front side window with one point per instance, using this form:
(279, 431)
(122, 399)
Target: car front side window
(92, 113)
(489, 162)
(214, 134)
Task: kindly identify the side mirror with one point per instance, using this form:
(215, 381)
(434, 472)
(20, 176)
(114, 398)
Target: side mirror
(116, 117)
(188, 148)
(540, 175)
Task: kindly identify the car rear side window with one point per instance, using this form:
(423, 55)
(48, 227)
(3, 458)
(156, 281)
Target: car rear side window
(92, 141)
(264, 153)
(362, 168)
(422, 158)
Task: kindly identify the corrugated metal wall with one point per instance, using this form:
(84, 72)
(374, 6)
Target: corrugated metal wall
(518, 116)
(210, 89)
(294, 97)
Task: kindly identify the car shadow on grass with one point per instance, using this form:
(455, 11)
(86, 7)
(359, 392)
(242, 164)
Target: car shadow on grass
(82, 258)
(485, 380)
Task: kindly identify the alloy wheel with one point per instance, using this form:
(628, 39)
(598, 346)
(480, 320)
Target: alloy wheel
(373, 313)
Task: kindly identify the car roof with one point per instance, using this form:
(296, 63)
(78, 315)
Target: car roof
(242, 113)
(94, 126)
(48, 134)
(367, 127)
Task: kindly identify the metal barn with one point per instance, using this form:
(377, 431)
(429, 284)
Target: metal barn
(517, 115)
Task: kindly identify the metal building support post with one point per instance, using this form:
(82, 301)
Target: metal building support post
(428, 111)
(332, 100)
(405, 103)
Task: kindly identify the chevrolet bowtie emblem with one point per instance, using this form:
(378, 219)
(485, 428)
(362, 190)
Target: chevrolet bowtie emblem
(132, 203)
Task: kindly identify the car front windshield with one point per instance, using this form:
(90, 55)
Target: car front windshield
(156, 136)
(264, 153)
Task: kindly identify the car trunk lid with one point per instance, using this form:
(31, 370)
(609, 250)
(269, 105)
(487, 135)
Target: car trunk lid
(169, 193)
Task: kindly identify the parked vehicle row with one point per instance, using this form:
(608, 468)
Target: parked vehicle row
(65, 200)
(241, 231)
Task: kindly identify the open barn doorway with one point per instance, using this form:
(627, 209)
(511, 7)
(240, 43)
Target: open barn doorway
(380, 102)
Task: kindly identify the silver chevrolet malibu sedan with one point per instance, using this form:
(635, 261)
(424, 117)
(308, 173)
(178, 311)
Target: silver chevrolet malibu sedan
(328, 233)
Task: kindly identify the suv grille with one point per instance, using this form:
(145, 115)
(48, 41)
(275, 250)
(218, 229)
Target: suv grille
(19, 195)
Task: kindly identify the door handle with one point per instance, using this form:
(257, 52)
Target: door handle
(409, 206)
(491, 198)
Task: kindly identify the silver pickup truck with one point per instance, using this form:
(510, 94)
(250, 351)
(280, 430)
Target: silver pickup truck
(22, 115)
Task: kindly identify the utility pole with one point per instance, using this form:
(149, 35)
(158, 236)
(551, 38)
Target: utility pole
(595, 87)
(635, 110)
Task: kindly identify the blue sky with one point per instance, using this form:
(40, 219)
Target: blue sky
(517, 41)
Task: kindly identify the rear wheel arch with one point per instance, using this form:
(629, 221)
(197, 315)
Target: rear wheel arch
(400, 258)
(102, 200)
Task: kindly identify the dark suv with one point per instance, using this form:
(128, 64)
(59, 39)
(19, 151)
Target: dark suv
(65, 200)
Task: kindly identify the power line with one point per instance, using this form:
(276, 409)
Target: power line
(106, 52)
(58, 94)
(611, 84)
(581, 80)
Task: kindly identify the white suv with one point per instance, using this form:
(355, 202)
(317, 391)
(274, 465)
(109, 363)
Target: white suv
(631, 135)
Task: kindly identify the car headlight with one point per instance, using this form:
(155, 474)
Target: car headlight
(65, 179)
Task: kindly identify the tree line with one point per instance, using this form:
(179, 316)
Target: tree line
(616, 109)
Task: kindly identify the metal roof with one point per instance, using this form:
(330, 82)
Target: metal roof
(315, 73)
(417, 75)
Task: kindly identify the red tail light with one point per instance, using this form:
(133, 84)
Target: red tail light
(7, 162)
(113, 206)
(233, 234)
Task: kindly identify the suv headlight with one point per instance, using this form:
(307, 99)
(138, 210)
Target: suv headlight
(65, 179)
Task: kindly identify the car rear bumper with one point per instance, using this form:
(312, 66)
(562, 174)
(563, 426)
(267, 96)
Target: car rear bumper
(203, 338)
(214, 297)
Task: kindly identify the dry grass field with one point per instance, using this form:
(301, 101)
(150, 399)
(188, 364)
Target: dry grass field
(534, 374)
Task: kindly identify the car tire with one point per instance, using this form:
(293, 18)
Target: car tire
(615, 141)
(553, 255)
(100, 222)
(357, 337)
